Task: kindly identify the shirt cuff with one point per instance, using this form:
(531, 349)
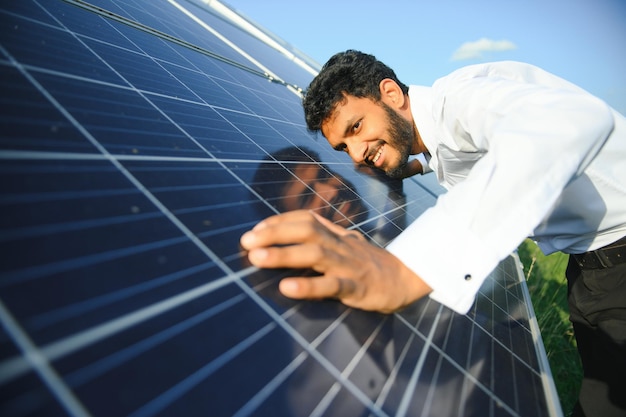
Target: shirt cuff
(452, 260)
(424, 161)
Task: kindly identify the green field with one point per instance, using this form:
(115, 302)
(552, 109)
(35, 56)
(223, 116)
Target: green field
(545, 276)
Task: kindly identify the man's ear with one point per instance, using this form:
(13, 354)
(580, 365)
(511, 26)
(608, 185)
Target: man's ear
(391, 94)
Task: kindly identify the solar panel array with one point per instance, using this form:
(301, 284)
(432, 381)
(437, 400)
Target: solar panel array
(139, 140)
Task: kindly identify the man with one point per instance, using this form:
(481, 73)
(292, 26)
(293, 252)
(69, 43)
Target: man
(522, 152)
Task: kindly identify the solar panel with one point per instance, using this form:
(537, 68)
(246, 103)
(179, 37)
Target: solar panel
(139, 140)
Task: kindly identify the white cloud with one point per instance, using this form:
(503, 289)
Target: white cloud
(471, 50)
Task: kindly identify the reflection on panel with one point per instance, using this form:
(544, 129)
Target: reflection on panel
(139, 140)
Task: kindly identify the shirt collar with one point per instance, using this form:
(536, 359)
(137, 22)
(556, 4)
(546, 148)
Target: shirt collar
(422, 109)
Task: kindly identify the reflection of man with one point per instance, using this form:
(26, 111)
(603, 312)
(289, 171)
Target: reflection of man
(316, 188)
(522, 152)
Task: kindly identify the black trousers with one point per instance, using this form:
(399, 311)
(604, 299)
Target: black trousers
(597, 303)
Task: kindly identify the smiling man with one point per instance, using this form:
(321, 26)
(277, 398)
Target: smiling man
(522, 153)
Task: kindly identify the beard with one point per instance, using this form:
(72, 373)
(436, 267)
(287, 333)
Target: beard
(402, 136)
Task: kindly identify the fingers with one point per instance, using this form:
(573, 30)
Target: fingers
(294, 227)
(371, 278)
(295, 256)
(317, 288)
(277, 230)
(288, 228)
(300, 239)
(304, 240)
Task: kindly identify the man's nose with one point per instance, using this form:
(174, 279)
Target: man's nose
(357, 151)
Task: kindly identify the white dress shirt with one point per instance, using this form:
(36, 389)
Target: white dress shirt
(522, 153)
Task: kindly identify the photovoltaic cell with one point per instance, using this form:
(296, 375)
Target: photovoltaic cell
(139, 140)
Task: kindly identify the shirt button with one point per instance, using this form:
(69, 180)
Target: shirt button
(468, 277)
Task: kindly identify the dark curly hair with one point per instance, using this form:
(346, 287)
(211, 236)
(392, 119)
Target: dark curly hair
(346, 73)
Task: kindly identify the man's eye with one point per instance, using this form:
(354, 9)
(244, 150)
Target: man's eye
(356, 126)
(341, 148)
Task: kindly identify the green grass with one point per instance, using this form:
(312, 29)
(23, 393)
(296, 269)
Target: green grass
(545, 276)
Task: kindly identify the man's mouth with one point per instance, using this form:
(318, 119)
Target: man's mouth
(379, 152)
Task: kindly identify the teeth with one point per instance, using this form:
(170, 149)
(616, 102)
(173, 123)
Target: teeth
(380, 151)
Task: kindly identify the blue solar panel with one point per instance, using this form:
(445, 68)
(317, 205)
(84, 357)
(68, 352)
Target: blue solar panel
(139, 141)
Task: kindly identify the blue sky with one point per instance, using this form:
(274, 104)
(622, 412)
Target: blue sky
(583, 41)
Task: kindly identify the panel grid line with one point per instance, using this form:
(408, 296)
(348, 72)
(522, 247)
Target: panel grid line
(83, 375)
(178, 390)
(325, 402)
(14, 367)
(272, 385)
(72, 310)
(410, 389)
(41, 366)
(313, 352)
(487, 391)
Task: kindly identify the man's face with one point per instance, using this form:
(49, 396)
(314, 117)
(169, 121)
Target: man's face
(328, 193)
(372, 133)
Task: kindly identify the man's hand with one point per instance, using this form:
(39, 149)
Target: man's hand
(413, 167)
(351, 270)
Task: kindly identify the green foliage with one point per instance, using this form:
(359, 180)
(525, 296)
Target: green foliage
(545, 276)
